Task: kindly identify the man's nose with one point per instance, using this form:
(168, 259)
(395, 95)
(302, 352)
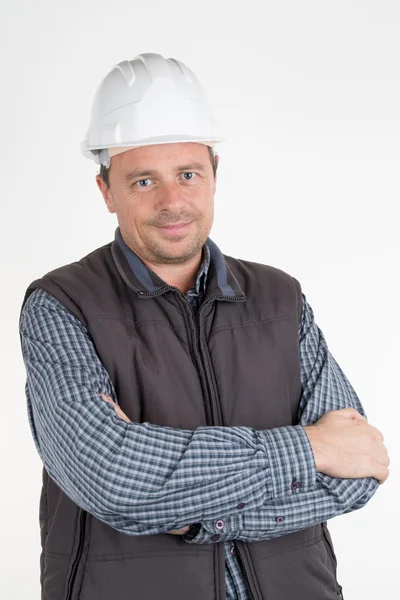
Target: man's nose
(170, 195)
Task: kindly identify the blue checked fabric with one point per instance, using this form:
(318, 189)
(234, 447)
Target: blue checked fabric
(102, 463)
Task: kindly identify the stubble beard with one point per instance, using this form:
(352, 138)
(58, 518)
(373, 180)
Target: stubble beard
(177, 250)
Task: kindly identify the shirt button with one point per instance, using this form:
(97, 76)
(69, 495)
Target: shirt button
(215, 537)
(295, 485)
(280, 519)
(233, 550)
(241, 505)
(219, 524)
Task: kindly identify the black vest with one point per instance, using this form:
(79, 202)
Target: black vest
(238, 364)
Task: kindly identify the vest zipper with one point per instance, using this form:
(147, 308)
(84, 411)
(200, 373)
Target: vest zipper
(74, 569)
(196, 319)
(242, 565)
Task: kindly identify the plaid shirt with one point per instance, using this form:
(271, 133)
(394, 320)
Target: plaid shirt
(64, 378)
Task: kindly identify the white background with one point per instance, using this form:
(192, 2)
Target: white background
(309, 94)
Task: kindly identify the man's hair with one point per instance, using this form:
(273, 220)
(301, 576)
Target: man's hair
(105, 172)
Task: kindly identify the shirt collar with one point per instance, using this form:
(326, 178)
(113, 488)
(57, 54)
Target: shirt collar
(201, 280)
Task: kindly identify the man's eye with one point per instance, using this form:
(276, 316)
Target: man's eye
(141, 181)
(189, 173)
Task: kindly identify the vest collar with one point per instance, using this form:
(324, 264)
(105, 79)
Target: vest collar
(221, 282)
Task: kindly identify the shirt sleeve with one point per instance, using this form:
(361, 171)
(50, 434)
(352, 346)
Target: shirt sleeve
(142, 478)
(298, 505)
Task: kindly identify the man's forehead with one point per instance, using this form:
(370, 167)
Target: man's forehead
(167, 149)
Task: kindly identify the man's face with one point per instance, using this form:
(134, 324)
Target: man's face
(158, 185)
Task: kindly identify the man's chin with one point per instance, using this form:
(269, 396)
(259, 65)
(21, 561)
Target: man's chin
(175, 250)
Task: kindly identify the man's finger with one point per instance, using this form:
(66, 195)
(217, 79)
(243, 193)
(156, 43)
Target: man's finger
(117, 408)
(179, 531)
(107, 398)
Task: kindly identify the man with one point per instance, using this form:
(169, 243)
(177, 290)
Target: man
(195, 431)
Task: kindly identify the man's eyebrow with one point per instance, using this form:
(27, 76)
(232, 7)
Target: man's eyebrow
(193, 166)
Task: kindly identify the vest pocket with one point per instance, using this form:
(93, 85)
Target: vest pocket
(77, 556)
(298, 565)
(329, 546)
(180, 576)
(331, 552)
(43, 523)
(77, 565)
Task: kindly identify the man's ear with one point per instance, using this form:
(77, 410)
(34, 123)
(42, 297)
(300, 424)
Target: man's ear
(106, 193)
(216, 169)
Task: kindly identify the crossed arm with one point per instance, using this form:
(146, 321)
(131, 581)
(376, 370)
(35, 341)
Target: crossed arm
(145, 479)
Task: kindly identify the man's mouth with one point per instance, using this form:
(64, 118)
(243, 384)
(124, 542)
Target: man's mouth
(176, 227)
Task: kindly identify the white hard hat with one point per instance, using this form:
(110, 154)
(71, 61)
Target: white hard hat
(148, 100)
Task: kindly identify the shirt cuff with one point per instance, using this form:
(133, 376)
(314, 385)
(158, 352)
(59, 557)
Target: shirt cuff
(292, 470)
(291, 460)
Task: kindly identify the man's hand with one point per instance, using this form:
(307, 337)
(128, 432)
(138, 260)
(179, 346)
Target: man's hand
(345, 445)
(123, 416)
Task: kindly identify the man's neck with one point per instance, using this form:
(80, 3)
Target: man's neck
(182, 276)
